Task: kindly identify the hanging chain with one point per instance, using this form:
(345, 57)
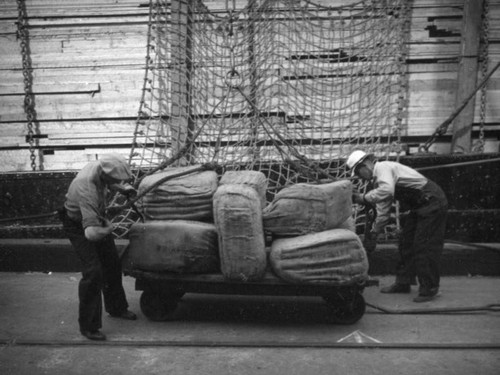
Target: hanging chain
(479, 146)
(29, 100)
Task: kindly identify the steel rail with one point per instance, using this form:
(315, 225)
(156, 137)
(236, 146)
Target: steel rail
(460, 164)
(250, 344)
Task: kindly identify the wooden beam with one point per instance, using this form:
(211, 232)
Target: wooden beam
(467, 75)
(181, 126)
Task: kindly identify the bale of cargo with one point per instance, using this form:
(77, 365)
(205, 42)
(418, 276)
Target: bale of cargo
(238, 218)
(254, 179)
(335, 257)
(178, 246)
(305, 208)
(181, 198)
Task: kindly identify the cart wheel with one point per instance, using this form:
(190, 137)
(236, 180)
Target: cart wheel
(346, 311)
(158, 307)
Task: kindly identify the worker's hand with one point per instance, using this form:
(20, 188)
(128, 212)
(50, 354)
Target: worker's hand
(125, 189)
(358, 198)
(109, 226)
(96, 233)
(129, 191)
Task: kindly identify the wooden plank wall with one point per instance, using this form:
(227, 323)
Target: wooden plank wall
(88, 59)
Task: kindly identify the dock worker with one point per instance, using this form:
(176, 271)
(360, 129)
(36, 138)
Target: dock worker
(423, 226)
(90, 233)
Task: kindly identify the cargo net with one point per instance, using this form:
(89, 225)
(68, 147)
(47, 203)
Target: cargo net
(288, 88)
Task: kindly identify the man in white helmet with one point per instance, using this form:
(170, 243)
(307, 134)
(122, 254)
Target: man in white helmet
(423, 227)
(90, 233)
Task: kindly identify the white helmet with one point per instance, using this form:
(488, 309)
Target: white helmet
(355, 158)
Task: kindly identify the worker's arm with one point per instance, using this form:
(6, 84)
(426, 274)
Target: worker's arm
(97, 233)
(124, 188)
(382, 196)
(383, 216)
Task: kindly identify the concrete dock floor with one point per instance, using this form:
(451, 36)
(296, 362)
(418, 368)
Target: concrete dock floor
(221, 334)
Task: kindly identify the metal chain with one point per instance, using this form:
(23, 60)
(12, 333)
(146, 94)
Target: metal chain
(29, 100)
(479, 146)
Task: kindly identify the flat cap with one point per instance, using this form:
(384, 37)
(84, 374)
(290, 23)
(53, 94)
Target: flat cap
(115, 166)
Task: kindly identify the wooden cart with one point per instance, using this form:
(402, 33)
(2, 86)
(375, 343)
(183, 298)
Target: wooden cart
(161, 292)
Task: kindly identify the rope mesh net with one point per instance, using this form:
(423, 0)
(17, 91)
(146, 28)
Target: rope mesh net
(288, 88)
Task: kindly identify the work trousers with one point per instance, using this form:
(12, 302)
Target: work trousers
(421, 242)
(101, 276)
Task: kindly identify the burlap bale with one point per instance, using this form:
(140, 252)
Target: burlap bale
(238, 218)
(254, 179)
(173, 245)
(306, 208)
(334, 257)
(183, 198)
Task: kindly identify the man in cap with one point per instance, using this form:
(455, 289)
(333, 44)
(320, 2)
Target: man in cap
(90, 233)
(423, 227)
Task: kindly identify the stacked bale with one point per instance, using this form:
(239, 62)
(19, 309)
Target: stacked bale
(315, 240)
(333, 257)
(254, 179)
(178, 246)
(305, 208)
(182, 198)
(238, 218)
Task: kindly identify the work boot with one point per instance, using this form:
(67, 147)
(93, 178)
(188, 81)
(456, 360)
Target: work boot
(396, 288)
(127, 315)
(426, 295)
(94, 335)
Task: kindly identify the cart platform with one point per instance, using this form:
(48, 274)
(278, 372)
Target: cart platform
(162, 292)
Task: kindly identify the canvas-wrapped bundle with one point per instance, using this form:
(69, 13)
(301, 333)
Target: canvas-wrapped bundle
(188, 197)
(334, 257)
(306, 208)
(178, 246)
(255, 179)
(238, 218)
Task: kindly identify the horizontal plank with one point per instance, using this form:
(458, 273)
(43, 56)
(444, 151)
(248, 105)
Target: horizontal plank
(47, 8)
(72, 127)
(51, 107)
(19, 160)
(314, 139)
(438, 103)
(97, 126)
(13, 84)
(37, 89)
(112, 139)
(40, 8)
(11, 81)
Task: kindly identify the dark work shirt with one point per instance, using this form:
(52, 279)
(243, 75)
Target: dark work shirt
(86, 197)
